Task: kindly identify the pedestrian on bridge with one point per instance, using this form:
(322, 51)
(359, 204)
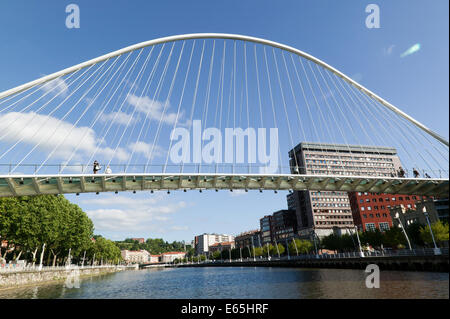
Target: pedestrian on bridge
(401, 172)
(96, 167)
(416, 173)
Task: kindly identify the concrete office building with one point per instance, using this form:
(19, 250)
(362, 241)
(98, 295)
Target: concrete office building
(202, 242)
(325, 212)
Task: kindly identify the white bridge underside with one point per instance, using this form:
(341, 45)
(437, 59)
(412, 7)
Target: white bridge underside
(26, 185)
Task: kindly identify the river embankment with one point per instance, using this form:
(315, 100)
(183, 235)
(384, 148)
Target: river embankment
(27, 277)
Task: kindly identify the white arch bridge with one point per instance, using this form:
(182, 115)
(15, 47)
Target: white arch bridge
(125, 108)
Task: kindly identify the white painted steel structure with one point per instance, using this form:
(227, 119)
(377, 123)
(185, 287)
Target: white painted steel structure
(134, 47)
(23, 185)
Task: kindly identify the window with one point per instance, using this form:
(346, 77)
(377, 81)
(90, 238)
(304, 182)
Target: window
(374, 199)
(369, 208)
(400, 198)
(370, 226)
(362, 208)
(384, 226)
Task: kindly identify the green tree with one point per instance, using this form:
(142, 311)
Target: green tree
(440, 232)
(258, 251)
(268, 250)
(394, 238)
(28, 222)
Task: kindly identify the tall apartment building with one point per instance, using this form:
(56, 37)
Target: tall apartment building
(266, 230)
(202, 242)
(325, 212)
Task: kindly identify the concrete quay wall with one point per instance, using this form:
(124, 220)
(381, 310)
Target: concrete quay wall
(12, 279)
(407, 263)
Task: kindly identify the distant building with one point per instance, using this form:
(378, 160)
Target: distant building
(266, 230)
(324, 212)
(284, 225)
(437, 210)
(371, 211)
(136, 256)
(171, 256)
(226, 245)
(139, 240)
(248, 239)
(278, 227)
(155, 258)
(204, 241)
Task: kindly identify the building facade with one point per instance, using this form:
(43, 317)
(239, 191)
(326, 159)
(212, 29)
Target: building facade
(407, 215)
(325, 212)
(171, 256)
(202, 242)
(226, 245)
(284, 225)
(266, 230)
(248, 239)
(136, 256)
(372, 211)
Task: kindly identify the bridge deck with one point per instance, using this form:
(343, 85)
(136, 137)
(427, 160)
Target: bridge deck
(23, 185)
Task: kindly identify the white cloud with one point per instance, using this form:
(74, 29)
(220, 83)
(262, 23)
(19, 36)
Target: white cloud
(179, 228)
(56, 86)
(388, 51)
(119, 117)
(49, 132)
(238, 192)
(153, 109)
(146, 149)
(128, 215)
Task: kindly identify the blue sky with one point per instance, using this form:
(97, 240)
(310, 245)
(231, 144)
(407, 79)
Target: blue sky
(35, 41)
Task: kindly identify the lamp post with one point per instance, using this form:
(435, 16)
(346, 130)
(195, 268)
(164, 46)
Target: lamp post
(287, 248)
(295, 245)
(361, 253)
(314, 240)
(437, 251)
(404, 232)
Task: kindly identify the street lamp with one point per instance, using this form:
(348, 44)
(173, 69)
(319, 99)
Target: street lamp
(437, 251)
(404, 232)
(361, 253)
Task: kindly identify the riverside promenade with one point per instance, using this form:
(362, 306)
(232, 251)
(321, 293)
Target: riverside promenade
(412, 260)
(19, 277)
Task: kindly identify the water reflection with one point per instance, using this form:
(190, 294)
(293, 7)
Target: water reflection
(244, 282)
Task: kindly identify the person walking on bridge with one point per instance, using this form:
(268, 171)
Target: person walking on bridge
(416, 173)
(96, 167)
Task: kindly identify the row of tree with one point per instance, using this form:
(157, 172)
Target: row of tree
(152, 245)
(294, 248)
(418, 235)
(51, 226)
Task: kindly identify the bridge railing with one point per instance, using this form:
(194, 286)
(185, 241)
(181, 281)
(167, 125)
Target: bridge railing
(355, 254)
(116, 169)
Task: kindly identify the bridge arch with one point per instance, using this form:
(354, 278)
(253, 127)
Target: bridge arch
(226, 36)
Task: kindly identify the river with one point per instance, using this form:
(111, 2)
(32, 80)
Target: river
(244, 282)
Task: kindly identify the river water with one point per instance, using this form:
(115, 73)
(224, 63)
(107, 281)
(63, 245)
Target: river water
(244, 282)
